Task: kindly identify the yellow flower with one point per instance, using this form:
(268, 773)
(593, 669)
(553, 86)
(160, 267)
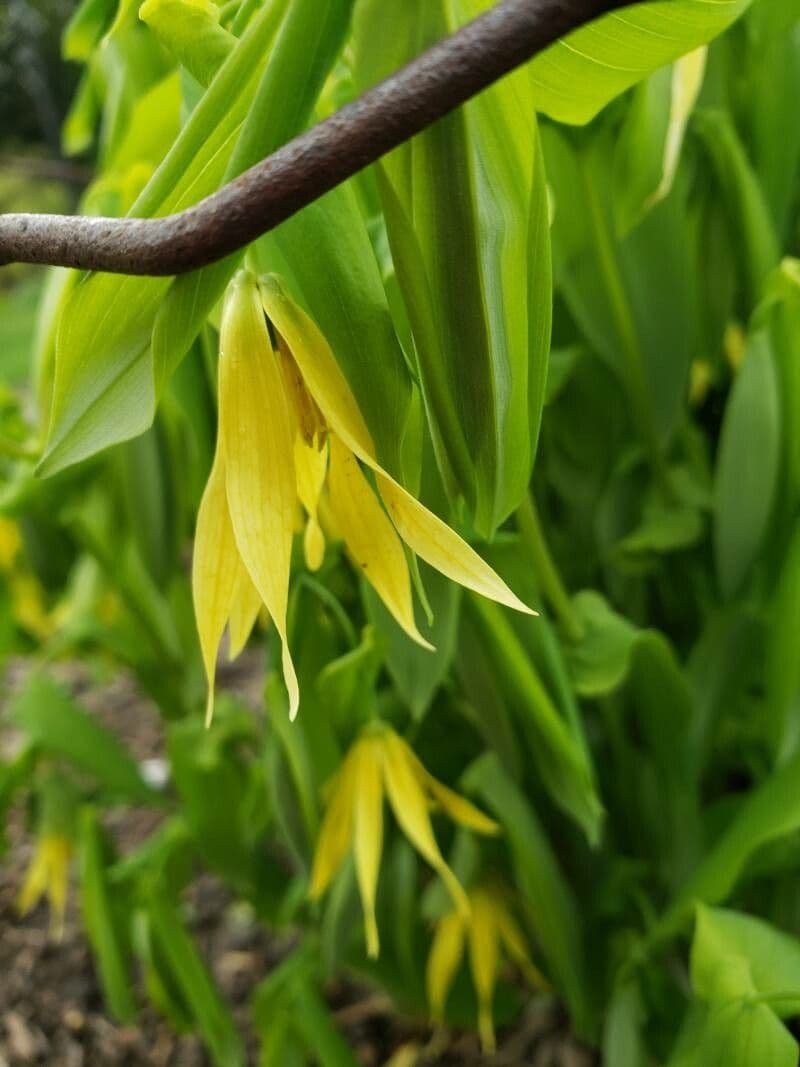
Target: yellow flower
(489, 928)
(381, 762)
(28, 606)
(48, 873)
(10, 543)
(289, 427)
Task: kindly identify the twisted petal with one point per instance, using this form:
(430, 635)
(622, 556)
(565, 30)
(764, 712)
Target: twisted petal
(410, 808)
(443, 960)
(515, 945)
(337, 829)
(422, 531)
(457, 807)
(368, 833)
(370, 538)
(216, 570)
(258, 446)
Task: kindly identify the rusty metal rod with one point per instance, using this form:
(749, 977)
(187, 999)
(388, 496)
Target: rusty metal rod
(430, 86)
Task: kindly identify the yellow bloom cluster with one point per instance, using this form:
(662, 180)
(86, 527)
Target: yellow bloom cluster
(48, 874)
(489, 928)
(380, 762)
(289, 429)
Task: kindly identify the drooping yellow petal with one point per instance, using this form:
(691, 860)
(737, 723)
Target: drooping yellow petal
(422, 531)
(441, 547)
(336, 832)
(258, 446)
(457, 807)
(483, 957)
(445, 955)
(515, 945)
(48, 873)
(368, 833)
(370, 538)
(10, 543)
(35, 883)
(59, 853)
(410, 808)
(244, 612)
(216, 567)
(311, 465)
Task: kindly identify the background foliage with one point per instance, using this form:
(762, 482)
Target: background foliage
(574, 336)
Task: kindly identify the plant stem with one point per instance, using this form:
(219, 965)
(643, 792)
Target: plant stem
(530, 530)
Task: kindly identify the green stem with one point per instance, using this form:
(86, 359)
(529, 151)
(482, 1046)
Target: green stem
(530, 530)
(635, 372)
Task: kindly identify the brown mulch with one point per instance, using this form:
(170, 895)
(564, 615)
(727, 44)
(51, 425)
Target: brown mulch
(51, 1009)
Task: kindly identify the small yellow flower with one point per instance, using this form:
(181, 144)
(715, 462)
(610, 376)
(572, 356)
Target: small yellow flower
(381, 762)
(48, 873)
(28, 605)
(10, 543)
(289, 427)
(489, 928)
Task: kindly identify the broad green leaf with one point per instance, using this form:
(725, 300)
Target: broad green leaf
(59, 726)
(576, 77)
(736, 1034)
(104, 920)
(192, 33)
(770, 812)
(747, 465)
(725, 940)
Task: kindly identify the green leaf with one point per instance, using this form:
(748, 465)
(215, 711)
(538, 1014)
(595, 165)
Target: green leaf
(737, 1034)
(769, 813)
(103, 920)
(560, 758)
(725, 940)
(631, 297)
(746, 476)
(106, 385)
(649, 146)
(623, 1038)
(576, 77)
(550, 907)
(59, 726)
(211, 1016)
(191, 31)
(748, 215)
(88, 23)
(465, 205)
(417, 673)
